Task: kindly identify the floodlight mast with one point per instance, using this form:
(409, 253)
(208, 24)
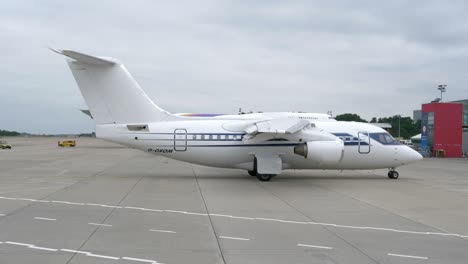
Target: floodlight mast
(441, 88)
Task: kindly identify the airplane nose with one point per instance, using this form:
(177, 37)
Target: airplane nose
(409, 155)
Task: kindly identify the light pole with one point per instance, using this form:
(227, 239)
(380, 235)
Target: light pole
(399, 126)
(441, 88)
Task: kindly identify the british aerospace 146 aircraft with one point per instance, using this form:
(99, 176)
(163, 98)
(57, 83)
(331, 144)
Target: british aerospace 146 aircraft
(264, 144)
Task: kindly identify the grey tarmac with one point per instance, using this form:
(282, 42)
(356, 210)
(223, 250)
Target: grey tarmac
(103, 203)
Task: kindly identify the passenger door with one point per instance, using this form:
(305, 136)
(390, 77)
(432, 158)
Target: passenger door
(364, 146)
(180, 139)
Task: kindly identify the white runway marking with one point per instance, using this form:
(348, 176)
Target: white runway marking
(102, 256)
(313, 246)
(96, 224)
(406, 256)
(221, 215)
(200, 214)
(86, 253)
(27, 199)
(251, 218)
(44, 248)
(242, 217)
(162, 231)
(235, 238)
(30, 246)
(45, 218)
(61, 173)
(175, 211)
(74, 251)
(132, 207)
(140, 260)
(18, 244)
(2, 214)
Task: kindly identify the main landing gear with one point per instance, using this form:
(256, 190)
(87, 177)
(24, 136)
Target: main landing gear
(261, 177)
(393, 174)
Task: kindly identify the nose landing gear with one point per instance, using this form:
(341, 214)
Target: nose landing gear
(393, 174)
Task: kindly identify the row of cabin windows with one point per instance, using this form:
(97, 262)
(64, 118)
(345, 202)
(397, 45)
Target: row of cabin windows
(214, 137)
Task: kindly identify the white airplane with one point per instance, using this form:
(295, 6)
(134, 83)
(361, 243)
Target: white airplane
(264, 144)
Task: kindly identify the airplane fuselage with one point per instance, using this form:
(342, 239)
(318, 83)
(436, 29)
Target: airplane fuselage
(220, 143)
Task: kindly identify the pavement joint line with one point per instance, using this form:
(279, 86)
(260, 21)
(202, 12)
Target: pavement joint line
(162, 231)
(105, 218)
(96, 224)
(314, 246)
(406, 256)
(45, 218)
(235, 238)
(250, 218)
(210, 221)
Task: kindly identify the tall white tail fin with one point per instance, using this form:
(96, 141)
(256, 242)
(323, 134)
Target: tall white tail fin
(110, 92)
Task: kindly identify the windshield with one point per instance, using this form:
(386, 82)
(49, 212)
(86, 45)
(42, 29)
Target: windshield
(384, 138)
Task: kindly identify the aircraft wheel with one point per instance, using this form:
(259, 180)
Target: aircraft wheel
(252, 173)
(393, 175)
(264, 177)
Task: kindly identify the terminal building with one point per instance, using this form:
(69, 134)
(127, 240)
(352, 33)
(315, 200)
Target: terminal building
(444, 128)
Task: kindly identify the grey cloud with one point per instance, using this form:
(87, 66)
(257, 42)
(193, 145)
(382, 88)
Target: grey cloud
(368, 57)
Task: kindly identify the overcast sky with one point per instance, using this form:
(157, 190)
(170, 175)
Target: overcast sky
(373, 58)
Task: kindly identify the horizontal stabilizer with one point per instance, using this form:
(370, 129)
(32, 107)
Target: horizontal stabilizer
(85, 58)
(86, 112)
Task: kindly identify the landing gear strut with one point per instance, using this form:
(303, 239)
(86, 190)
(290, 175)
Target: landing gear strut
(393, 174)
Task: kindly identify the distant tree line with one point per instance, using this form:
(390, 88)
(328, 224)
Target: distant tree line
(407, 127)
(6, 133)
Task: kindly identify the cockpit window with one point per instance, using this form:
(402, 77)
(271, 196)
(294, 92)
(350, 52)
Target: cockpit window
(384, 138)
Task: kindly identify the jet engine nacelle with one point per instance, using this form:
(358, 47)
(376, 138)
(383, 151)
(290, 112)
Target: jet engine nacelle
(325, 152)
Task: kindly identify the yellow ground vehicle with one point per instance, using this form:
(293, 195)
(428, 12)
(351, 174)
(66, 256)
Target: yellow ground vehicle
(67, 143)
(4, 145)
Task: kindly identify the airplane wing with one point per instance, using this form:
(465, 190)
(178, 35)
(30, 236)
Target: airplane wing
(270, 129)
(278, 126)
